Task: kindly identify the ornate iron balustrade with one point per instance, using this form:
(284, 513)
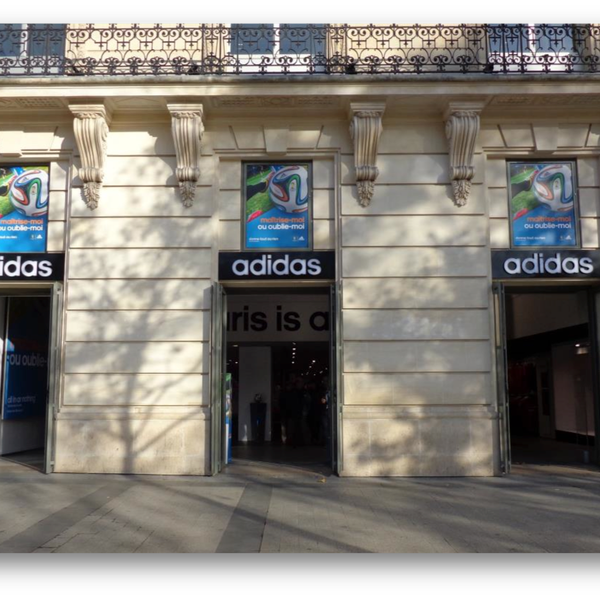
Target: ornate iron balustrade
(265, 50)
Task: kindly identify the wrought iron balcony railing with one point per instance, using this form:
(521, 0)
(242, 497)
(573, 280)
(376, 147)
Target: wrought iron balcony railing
(280, 49)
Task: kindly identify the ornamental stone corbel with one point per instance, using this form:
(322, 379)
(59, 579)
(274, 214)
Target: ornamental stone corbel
(90, 126)
(462, 129)
(187, 129)
(365, 131)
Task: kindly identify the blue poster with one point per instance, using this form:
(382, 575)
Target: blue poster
(24, 197)
(542, 204)
(26, 357)
(277, 206)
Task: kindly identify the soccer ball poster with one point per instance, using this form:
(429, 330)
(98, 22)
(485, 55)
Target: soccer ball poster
(23, 208)
(542, 204)
(277, 199)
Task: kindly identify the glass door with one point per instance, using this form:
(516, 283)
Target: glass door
(530, 47)
(543, 375)
(32, 49)
(30, 356)
(278, 47)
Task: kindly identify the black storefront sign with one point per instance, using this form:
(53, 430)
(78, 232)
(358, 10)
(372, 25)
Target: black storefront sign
(545, 264)
(32, 267)
(276, 266)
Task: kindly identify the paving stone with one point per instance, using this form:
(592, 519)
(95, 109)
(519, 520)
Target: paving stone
(532, 510)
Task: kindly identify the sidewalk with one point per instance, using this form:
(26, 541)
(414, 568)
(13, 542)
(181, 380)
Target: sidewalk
(535, 509)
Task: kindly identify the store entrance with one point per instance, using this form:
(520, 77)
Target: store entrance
(25, 333)
(550, 376)
(277, 369)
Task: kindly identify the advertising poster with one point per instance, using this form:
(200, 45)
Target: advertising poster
(542, 204)
(23, 208)
(277, 198)
(26, 358)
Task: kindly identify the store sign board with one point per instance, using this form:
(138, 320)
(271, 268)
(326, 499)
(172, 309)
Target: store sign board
(564, 264)
(32, 267)
(276, 266)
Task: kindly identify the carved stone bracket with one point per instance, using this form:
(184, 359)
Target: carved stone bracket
(90, 126)
(462, 128)
(187, 129)
(365, 131)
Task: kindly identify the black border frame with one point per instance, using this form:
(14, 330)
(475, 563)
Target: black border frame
(329, 569)
(382, 569)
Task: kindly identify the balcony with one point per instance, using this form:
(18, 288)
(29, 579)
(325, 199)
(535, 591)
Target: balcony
(270, 50)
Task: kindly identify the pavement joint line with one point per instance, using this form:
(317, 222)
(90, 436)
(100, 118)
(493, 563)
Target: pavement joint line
(150, 534)
(244, 532)
(43, 531)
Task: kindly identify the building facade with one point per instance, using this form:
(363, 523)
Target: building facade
(409, 136)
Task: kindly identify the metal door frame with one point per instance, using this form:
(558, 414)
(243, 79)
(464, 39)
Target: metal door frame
(217, 377)
(594, 336)
(502, 376)
(335, 360)
(54, 362)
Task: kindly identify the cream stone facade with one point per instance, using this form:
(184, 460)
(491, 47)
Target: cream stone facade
(418, 387)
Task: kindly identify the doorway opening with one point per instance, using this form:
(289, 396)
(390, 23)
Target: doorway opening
(550, 376)
(277, 365)
(25, 359)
